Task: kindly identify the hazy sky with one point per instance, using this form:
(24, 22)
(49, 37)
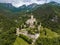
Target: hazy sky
(18, 3)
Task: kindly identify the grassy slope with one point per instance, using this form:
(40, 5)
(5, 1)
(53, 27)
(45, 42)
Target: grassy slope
(49, 33)
(20, 41)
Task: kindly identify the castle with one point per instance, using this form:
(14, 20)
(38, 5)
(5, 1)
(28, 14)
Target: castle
(31, 24)
(31, 21)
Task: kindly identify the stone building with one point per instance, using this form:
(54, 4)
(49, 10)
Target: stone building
(31, 21)
(24, 31)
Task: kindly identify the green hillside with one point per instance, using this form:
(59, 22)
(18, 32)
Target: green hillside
(46, 13)
(47, 33)
(48, 37)
(49, 16)
(20, 41)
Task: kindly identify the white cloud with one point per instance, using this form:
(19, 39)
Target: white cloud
(18, 3)
(26, 2)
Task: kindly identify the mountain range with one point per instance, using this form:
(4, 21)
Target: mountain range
(47, 14)
(8, 6)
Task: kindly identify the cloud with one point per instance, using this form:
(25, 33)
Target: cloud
(18, 3)
(27, 2)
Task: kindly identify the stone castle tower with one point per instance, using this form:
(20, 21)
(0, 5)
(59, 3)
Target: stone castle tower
(31, 21)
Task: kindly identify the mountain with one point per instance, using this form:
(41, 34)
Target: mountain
(11, 18)
(6, 6)
(10, 7)
(54, 3)
(49, 15)
(29, 7)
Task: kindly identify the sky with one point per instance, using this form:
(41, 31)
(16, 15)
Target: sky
(18, 3)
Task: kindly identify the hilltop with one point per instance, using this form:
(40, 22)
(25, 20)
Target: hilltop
(11, 18)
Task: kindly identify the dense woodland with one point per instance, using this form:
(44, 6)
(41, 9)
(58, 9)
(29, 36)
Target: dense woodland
(10, 20)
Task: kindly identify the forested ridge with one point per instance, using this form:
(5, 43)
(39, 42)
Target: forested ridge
(48, 14)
